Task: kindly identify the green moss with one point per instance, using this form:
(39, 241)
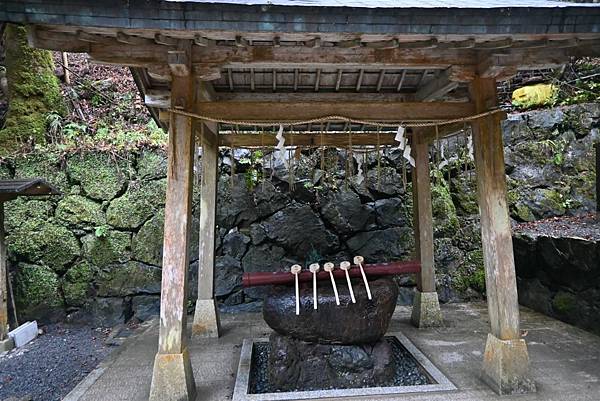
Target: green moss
(128, 279)
(79, 211)
(564, 303)
(152, 164)
(43, 164)
(99, 175)
(464, 195)
(553, 200)
(76, 284)
(523, 212)
(140, 202)
(112, 247)
(471, 274)
(444, 212)
(36, 286)
(20, 210)
(44, 242)
(148, 242)
(33, 91)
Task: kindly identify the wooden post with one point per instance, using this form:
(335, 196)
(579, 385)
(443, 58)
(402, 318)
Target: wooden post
(3, 279)
(206, 316)
(172, 378)
(426, 307)
(506, 361)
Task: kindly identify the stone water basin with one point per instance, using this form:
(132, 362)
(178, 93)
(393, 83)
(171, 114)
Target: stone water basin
(365, 321)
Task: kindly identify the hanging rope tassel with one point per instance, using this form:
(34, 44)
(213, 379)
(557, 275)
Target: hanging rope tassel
(378, 159)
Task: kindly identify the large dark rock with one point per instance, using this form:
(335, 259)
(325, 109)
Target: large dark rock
(366, 321)
(344, 211)
(382, 245)
(295, 364)
(299, 230)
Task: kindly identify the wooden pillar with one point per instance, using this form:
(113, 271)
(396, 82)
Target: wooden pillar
(172, 378)
(506, 361)
(426, 307)
(206, 316)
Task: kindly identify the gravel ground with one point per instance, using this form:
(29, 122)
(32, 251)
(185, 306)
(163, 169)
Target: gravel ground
(586, 226)
(407, 370)
(50, 366)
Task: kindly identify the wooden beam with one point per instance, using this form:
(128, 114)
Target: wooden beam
(293, 111)
(160, 99)
(305, 140)
(3, 279)
(501, 285)
(179, 62)
(436, 88)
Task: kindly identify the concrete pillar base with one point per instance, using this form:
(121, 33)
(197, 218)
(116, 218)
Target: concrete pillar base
(506, 366)
(6, 345)
(206, 319)
(426, 310)
(172, 378)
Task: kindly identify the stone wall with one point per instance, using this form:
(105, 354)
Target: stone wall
(94, 253)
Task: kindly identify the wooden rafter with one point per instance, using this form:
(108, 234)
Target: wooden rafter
(373, 110)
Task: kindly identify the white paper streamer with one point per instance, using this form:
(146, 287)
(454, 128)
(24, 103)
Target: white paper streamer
(360, 176)
(444, 161)
(408, 156)
(470, 146)
(400, 137)
(281, 146)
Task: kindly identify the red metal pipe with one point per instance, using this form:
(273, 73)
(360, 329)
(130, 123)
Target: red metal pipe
(374, 270)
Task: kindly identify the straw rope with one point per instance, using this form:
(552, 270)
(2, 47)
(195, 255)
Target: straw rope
(406, 123)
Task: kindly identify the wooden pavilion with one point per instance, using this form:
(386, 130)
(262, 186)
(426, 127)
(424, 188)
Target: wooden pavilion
(204, 66)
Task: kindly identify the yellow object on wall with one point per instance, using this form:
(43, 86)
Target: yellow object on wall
(534, 95)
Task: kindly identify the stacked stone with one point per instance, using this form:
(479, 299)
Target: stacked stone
(332, 346)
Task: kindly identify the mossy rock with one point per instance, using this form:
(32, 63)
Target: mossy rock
(471, 275)
(76, 284)
(45, 242)
(147, 244)
(140, 202)
(445, 220)
(464, 195)
(33, 91)
(152, 164)
(46, 165)
(79, 211)
(112, 246)
(100, 176)
(22, 209)
(564, 303)
(37, 291)
(126, 279)
(551, 201)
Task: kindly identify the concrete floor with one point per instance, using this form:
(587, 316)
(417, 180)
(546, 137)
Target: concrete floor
(565, 360)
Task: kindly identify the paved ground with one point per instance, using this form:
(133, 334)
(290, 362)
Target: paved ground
(565, 360)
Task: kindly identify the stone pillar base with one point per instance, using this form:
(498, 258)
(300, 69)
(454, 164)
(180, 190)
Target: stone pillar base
(6, 345)
(506, 366)
(172, 378)
(206, 319)
(426, 310)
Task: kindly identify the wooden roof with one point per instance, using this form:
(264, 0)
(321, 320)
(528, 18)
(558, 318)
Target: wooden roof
(10, 189)
(288, 59)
